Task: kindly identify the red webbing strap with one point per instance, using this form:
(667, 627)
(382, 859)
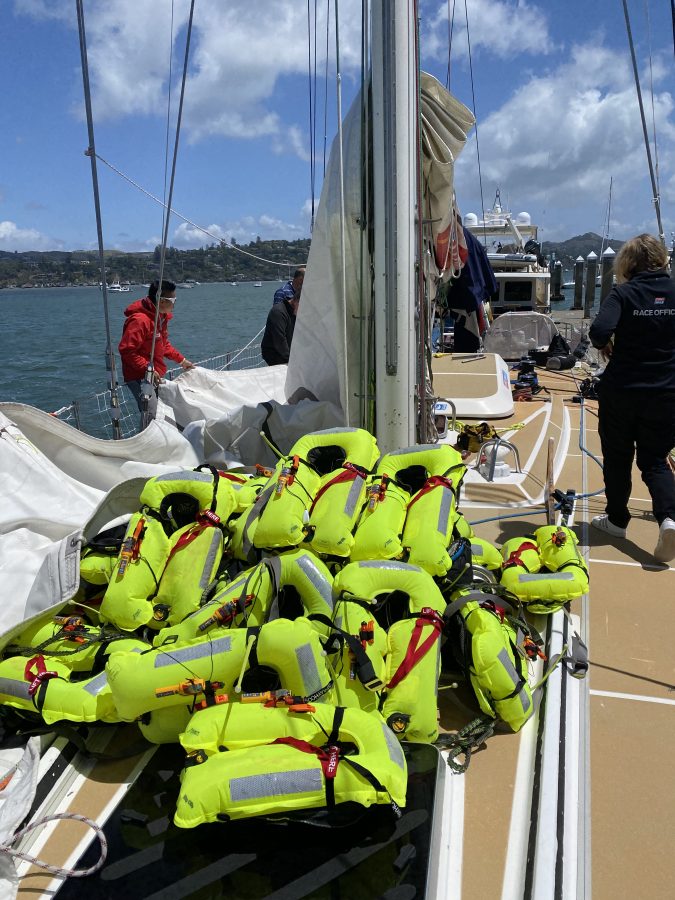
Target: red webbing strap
(415, 650)
(514, 557)
(188, 537)
(328, 758)
(349, 472)
(37, 676)
(230, 476)
(432, 482)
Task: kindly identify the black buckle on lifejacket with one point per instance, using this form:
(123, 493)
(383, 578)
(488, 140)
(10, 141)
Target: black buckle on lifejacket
(195, 758)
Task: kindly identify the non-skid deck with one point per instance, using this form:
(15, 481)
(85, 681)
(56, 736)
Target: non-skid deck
(615, 745)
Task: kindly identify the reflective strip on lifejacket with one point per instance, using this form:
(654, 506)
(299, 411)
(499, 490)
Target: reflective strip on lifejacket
(14, 688)
(307, 665)
(353, 495)
(95, 685)
(510, 669)
(546, 576)
(276, 784)
(419, 448)
(185, 476)
(394, 747)
(187, 654)
(387, 564)
(317, 580)
(444, 511)
(216, 541)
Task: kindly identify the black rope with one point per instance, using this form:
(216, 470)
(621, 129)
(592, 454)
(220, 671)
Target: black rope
(466, 742)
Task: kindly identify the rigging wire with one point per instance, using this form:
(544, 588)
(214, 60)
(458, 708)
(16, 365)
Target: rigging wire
(174, 212)
(473, 104)
(91, 153)
(655, 198)
(451, 26)
(651, 92)
(343, 261)
(148, 384)
(312, 106)
(325, 91)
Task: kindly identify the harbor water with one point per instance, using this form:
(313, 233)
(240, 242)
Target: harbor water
(52, 340)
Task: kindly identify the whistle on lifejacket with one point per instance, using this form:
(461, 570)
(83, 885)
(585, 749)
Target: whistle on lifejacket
(287, 476)
(377, 491)
(226, 613)
(131, 546)
(189, 688)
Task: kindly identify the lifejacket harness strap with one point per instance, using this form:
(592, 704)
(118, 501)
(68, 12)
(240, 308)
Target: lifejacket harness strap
(416, 650)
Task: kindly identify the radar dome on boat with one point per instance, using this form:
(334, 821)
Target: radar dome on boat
(523, 218)
(471, 219)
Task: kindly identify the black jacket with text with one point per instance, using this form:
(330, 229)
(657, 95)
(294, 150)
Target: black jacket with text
(641, 315)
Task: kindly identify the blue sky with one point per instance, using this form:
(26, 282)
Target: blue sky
(554, 99)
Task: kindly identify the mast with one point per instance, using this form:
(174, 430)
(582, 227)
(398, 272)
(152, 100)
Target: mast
(394, 111)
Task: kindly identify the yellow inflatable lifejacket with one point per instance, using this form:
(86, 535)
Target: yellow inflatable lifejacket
(136, 574)
(285, 520)
(493, 656)
(251, 594)
(180, 497)
(483, 553)
(43, 685)
(290, 774)
(174, 674)
(553, 547)
(370, 578)
(431, 514)
(410, 693)
(195, 552)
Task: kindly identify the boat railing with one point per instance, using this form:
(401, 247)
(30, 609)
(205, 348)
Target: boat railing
(91, 414)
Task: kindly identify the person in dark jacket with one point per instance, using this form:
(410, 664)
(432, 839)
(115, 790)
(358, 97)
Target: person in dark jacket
(635, 331)
(276, 342)
(136, 344)
(292, 289)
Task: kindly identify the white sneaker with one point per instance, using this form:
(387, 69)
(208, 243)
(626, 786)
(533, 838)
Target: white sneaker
(602, 523)
(665, 546)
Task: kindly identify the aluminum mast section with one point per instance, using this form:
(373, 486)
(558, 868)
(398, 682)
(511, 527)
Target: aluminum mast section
(394, 110)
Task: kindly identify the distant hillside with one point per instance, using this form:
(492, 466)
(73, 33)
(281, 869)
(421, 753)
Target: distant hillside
(581, 245)
(215, 263)
(257, 261)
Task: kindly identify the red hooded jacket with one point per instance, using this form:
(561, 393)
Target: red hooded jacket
(136, 341)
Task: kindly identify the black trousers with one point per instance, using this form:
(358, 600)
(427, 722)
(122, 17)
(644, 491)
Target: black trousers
(637, 424)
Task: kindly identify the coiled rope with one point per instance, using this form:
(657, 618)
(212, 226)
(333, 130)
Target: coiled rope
(466, 741)
(6, 847)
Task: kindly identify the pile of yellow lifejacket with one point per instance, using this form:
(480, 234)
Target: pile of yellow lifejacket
(544, 570)
(287, 628)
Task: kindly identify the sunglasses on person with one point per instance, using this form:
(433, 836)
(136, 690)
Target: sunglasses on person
(169, 299)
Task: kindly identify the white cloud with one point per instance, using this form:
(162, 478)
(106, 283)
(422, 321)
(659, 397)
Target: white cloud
(502, 28)
(21, 239)
(560, 137)
(243, 230)
(240, 52)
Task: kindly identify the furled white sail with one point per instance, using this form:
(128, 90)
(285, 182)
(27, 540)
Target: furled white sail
(317, 357)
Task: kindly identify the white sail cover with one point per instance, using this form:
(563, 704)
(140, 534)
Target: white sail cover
(330, 317)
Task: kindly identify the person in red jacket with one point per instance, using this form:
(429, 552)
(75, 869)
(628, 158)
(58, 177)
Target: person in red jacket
(136, 344)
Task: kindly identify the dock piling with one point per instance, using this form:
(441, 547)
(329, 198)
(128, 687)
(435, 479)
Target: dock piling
(578, 281)
(606, 273)
(591, 274)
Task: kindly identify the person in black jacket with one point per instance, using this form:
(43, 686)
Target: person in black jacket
(276, 342)
(635, 331)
